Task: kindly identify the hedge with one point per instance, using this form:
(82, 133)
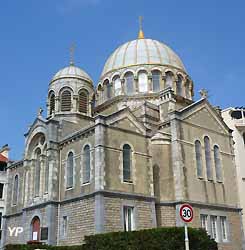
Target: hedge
(150, 239)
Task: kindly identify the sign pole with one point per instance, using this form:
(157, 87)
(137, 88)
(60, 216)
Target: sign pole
(186, 238)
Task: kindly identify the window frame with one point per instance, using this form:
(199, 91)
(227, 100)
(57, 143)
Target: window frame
(68, 187)
(129, 76)
(198, 158)
(214, 234)
(126, 225)
(117, 82)
(129, 161)
(143, 86)
(159, 75)
(217, 164)
(15, 193)
(208, 158)
(62, 99)
(83, 107)
(84, 166)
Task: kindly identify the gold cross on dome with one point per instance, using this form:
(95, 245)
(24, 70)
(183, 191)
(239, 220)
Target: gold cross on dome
(72, 51)
(141, 33)
(140, 21)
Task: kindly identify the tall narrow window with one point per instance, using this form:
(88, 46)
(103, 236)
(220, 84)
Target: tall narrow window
(143, 81)
(223, 225)
(70, 170)
(129, 83)
(243, 136)
(156, 78)
(1, 190)
(127, 163)
(213, 221)
(179, 85)
(208, 158)
(187, 89)
(66, 101)
(204, 222)
(217, 163)
(169, 79)
(46, 175)
(1, 215)
(51, 104)
(117, 86)
(15, 190)
(37, 171)
(64, 226)
(108, 90)
(128, 218)
(83, 101)
(198, 150)
(86, 164)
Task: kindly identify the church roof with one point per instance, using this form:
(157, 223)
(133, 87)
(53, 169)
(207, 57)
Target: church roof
(142, 51)
(3, 158)
(71, 72)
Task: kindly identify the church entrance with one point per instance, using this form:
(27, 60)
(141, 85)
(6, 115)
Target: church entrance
(36, 229)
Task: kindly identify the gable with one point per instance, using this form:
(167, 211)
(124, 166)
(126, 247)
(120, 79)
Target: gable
(205, 117)
(126, 121)
(126, 124)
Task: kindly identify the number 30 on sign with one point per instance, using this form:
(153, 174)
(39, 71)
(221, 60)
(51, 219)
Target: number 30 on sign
(186, 213)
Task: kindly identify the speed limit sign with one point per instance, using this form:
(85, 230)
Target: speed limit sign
(186, 213)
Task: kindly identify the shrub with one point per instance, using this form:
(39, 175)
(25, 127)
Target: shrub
(171, 238)
(151, 239)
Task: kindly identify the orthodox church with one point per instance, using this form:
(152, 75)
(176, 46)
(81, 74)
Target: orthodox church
(124, 155)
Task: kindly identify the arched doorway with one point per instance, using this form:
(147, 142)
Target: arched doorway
(35, 228)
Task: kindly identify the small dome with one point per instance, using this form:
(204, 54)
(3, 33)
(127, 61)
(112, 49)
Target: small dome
(71, 72)
(140, 52)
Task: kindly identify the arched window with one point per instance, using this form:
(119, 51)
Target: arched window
(51, 103)
(99, 94)
(86, 164)
(66, 101)
(217, 163)
(198, 151)
(143, 81)
(70, 170)
(156, 78)
(129, 83)
(187, 89)
(35, 229)
(83, 101)
(37, 171)
(15, 190)
(179, 85)
(107, 89)
(208, 158)
(127, 163)
(169, 79)
(117, 85)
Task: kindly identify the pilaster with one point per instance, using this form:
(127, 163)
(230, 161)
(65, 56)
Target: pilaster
(177, 159)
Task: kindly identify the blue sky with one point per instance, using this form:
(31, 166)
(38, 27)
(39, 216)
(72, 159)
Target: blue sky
(35, 37)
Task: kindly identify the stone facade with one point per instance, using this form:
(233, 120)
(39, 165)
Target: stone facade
(103, 162)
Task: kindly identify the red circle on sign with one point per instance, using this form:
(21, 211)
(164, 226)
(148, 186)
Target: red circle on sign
(186, 213)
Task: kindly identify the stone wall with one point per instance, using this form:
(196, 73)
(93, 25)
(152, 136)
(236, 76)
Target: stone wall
(166, 216)
(80, 217)
(144, 214)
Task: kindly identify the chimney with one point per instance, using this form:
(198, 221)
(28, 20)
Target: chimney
(5, 150)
